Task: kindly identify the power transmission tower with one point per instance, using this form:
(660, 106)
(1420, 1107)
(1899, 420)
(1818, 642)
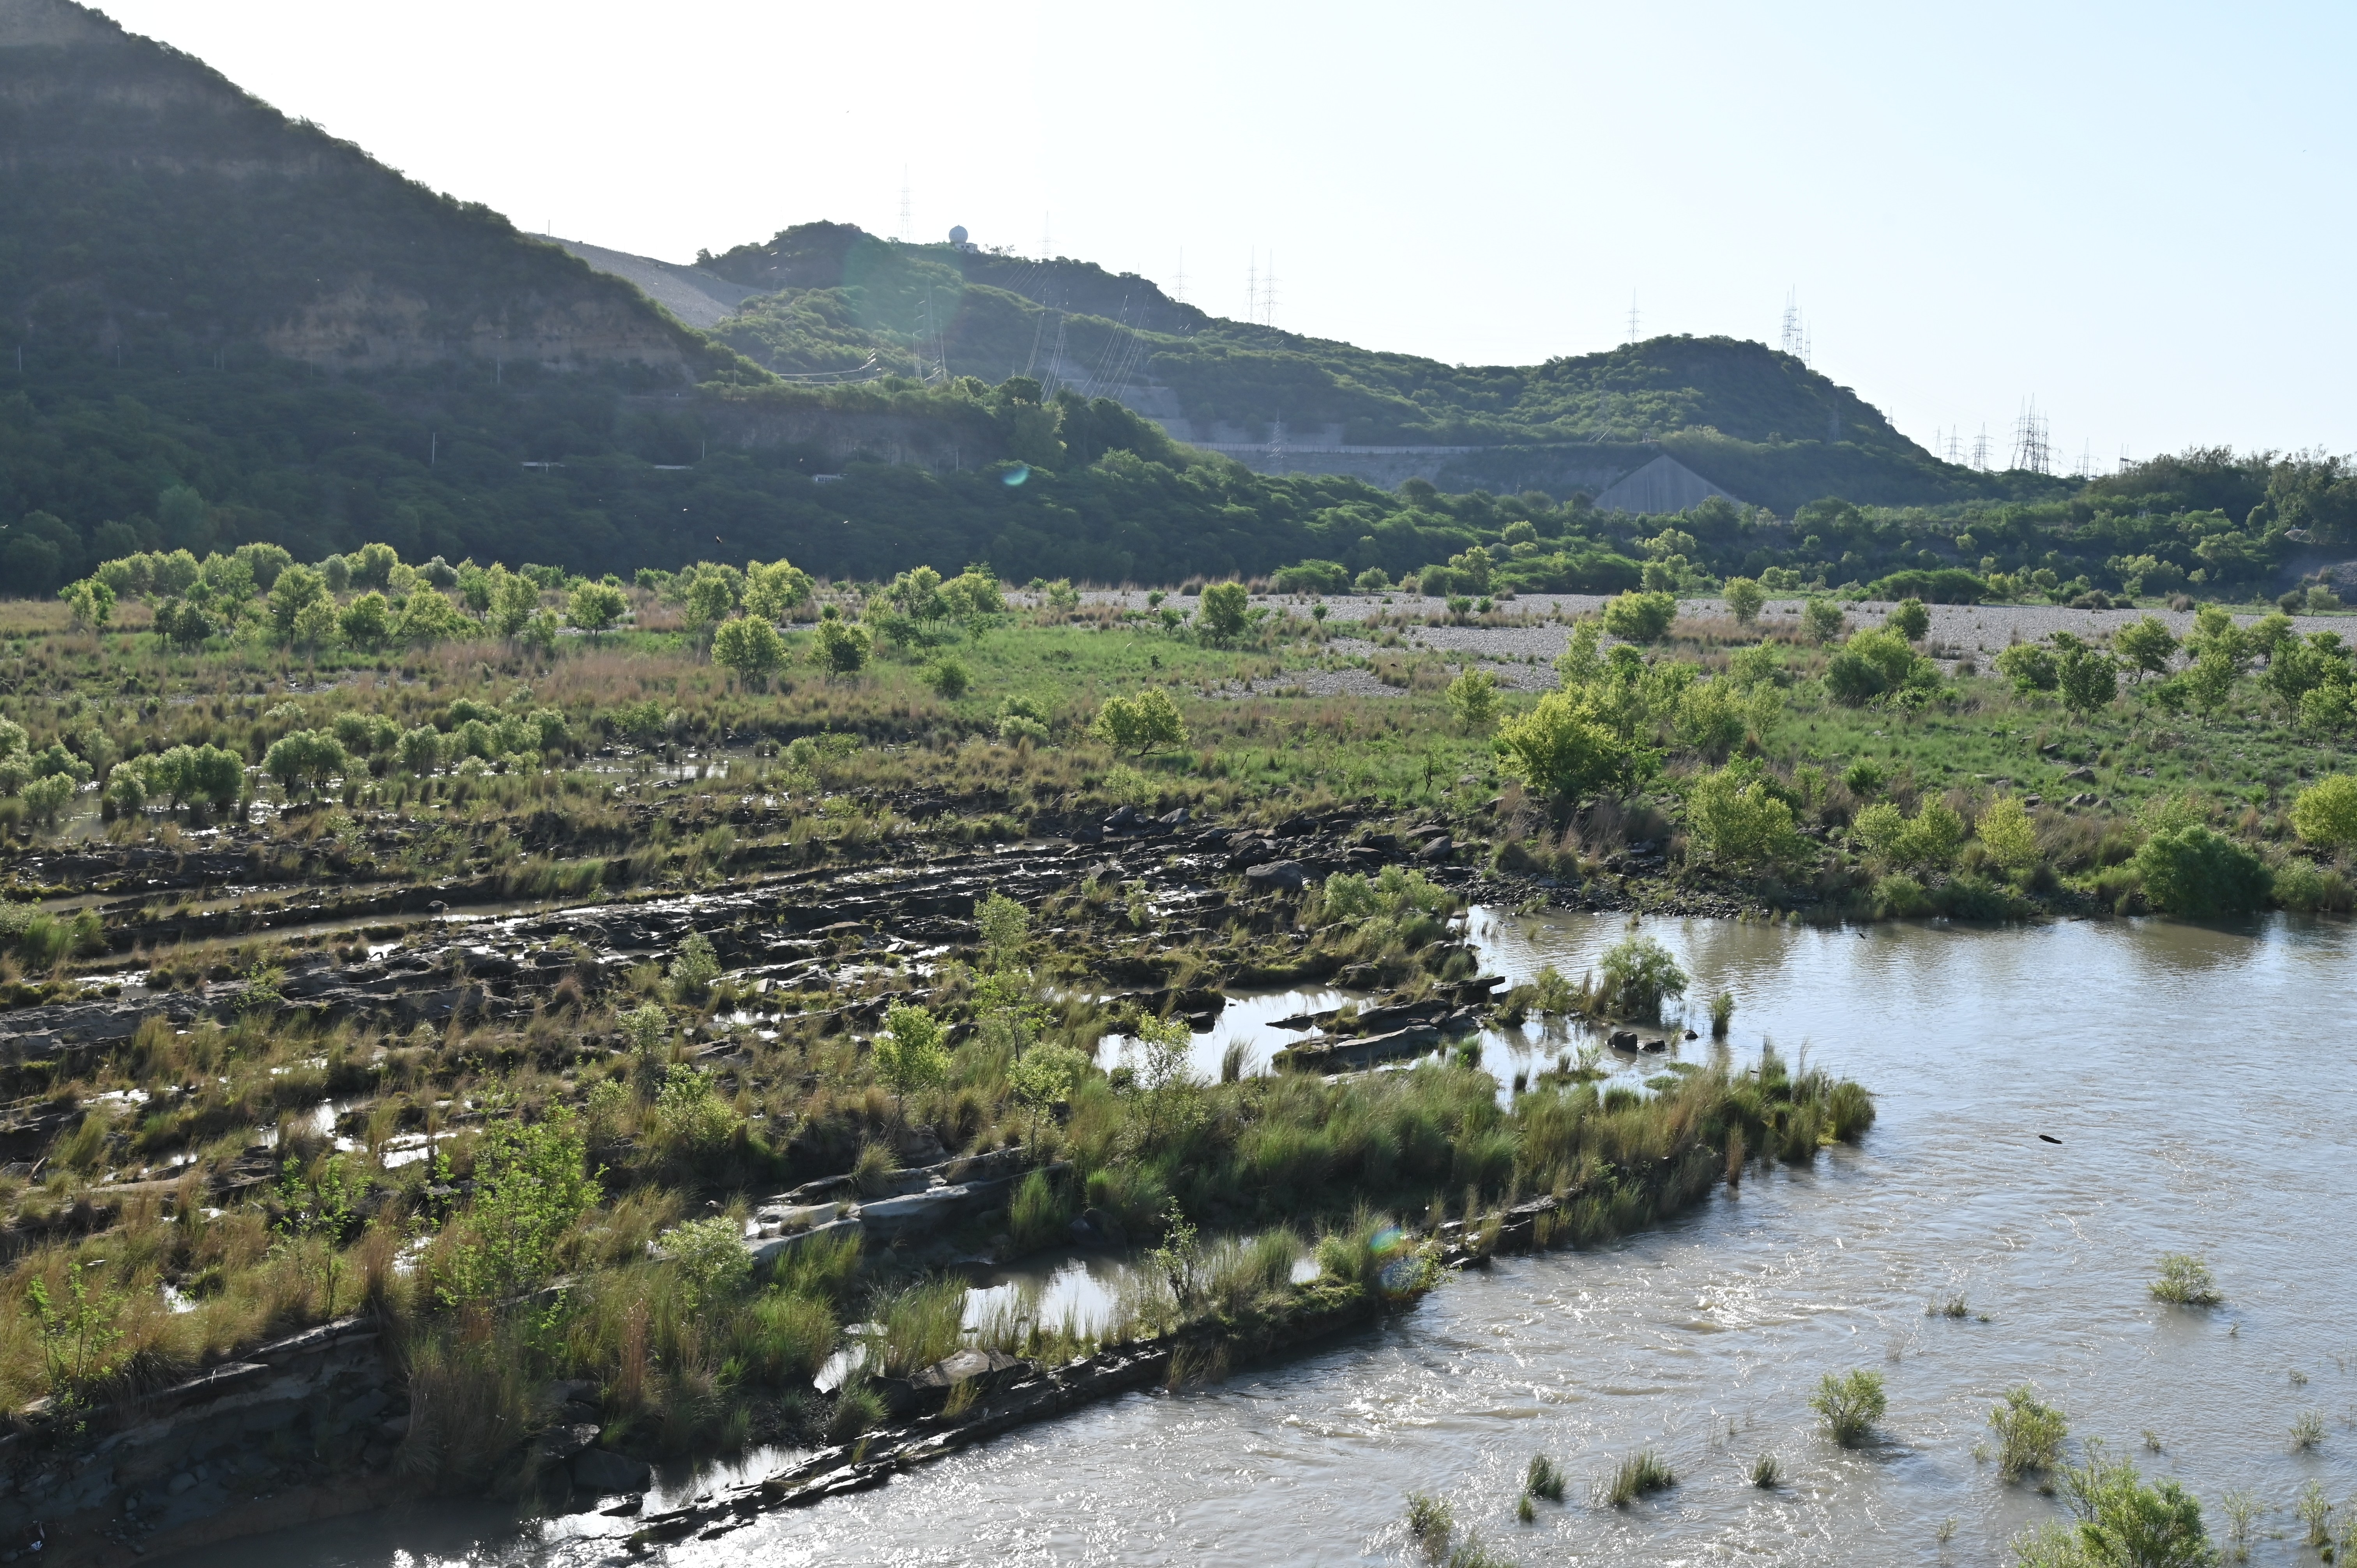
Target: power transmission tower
(1268, 292)
(1796, 330)
(1632, 316)
(2032, 451)
(1981, 450)
(907, 230)
(1179, 289)
(1252, 287)
(1046, 248)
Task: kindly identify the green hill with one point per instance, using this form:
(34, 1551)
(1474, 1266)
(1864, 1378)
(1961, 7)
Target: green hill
(231, 327)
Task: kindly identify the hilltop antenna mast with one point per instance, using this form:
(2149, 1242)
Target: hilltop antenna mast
(1632, 316)
(1179, 289)
(908, 231)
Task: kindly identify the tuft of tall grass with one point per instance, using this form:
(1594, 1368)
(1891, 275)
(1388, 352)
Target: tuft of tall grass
(1544, 1478)
(1039, 1213)
(2306, 1430)
(1768, 1472)
(782, 1339)
(469, 1400)
(1636, 1476)
(921, 1323)
(1431, 1523)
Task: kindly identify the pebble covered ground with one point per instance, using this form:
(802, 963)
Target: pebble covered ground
(1522, 656)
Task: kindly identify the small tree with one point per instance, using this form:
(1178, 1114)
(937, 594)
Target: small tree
(912, 1053)
(750, 646)
(1473, 698)
(1641, 975)
(948, 677)
(1004, 927)
(1564, 746)
(1822, 622)
(2087, 677)
(2325, 814)
(1745, 599)
(1640, 617)
(1225, 609)
(2008, 835)
(1041, 1078)
(1851, 1404)
(840, 647)
(596, 607)
(1910, 619)
(2148, 645)
(1147, 721)
(2196, 872)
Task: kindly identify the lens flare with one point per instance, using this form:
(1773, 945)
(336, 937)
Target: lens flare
(1016, 475)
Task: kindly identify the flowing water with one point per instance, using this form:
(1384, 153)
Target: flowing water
(2200, 1083)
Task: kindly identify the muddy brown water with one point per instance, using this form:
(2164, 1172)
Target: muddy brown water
(2200, 1083)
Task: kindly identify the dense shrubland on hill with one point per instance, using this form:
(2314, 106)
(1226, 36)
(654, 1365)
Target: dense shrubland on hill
(231, 327)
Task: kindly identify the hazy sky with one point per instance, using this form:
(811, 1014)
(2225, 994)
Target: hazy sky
(2137, 214)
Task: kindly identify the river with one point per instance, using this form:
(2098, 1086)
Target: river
(2200, 1085)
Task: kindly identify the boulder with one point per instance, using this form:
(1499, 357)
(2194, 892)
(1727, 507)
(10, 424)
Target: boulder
(1276, 875)
(559, 1443)
(597, 1470)
(1623, 1039)
(1441, 848)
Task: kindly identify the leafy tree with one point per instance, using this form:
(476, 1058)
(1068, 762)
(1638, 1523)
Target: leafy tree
(1745, 599)
(47, 796)
(1878, 663)
(1822, 622)
(2196, 872)
(751, 646)
(711, 599)
(315, 624)
(912, 1053)
(90, 603)
(1225, 608)
(1146, 721)
(2008, 835)
(1851, 1404)
(948, 677)
(1910, 619)
(2119, 1521)
(2029, 667)
(2148, 645)
(295, 589)
(1734, 818)
(532, 1181)
(429, 618)
(1641, 975)
(509, 601)
(595, 607)
(840, 647)
(2087, 677)
(315, 1214)
(373, 564)
(775, 590)
(1473, 698)
(1564, 746)
(2325, 814)
(367, 622)
(1927, 841)
(1640, 617)
(420, 751)
(1042, 1076)
(306, 757)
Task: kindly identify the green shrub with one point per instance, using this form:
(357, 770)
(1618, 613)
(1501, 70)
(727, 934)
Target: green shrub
(2308, 888)
(1639, 617)
(2030, 1433)
(1851, 1404)
(2201, 874)
(2186, 1281)
(1038, 1214)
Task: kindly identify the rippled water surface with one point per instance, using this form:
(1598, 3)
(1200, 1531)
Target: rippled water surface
(2201, 1085)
